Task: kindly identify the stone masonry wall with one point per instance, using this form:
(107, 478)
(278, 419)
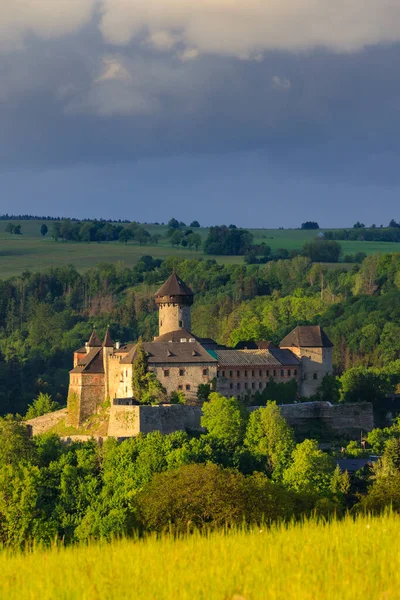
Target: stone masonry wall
(347, 419)
(341, 419)
(124, 421)
(45, 422)
(192, 377)
(128, 421)
(173, 317)
(85, 395)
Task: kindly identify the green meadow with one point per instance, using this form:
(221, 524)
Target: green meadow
(30, 251)
(341, 560)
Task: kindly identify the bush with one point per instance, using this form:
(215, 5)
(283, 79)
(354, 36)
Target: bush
(199, 496)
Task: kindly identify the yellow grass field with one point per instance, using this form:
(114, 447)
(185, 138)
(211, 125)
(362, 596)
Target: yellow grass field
(340, 561)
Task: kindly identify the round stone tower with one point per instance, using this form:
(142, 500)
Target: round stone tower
(174, 300)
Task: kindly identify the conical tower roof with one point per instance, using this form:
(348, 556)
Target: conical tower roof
(108, 343)
(174, 287)
(94, 341)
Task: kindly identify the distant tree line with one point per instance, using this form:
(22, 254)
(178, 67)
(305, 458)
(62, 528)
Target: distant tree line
(100, 231)
(7, 217)
(388, 234)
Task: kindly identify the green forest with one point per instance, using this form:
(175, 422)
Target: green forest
(45, 316)
(246, 468)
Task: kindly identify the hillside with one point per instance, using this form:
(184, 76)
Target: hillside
(342, 560)
(32, 251)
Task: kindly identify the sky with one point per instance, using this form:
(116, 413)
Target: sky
(264, 113)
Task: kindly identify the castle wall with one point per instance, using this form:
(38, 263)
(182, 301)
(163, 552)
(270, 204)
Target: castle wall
(347, 420)
(173, 317)
(85, 395)
(46, 422)
(128, 421)
(184, 377)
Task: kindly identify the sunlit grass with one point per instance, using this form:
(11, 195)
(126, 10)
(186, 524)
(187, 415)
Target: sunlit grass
(339, 561)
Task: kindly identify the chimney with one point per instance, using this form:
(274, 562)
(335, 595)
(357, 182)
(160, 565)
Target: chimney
(117, 345)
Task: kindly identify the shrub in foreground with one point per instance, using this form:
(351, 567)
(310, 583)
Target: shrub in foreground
(198, 496)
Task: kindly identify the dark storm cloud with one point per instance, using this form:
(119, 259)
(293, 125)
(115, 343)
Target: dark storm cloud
(76, 100)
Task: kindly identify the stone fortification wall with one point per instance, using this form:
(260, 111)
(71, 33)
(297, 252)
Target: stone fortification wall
(308, 419)
(340, 419)
(128, 421)
(124, 421)
(45, 422)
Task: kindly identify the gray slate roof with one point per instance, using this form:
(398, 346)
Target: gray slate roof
(307, 336)
(172, 353)
(256, 358)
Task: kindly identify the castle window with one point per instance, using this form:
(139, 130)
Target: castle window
(246, 386)
(231, 386)
(126, 373)
(253, 386)
(289, 372)
(260, 385)
(315, 376)
(282, 372)
(126, 389)
(260, 373)
(166, 372)
(180, 324)
(205, 372)
(295, 372)
(252, 373)
(180, 387)
(238, 373)
(274, 373)
(267, 373)
(245, 373)
(230, 373)
(188, 386)
(223, 373)
(238, 386)
(181, 372)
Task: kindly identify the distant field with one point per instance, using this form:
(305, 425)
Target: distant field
(31, 251)
(340, 561)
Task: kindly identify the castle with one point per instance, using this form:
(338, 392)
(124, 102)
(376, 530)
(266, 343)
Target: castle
(181, 360)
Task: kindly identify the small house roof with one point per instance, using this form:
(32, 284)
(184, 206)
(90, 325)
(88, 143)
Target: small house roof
(174, 286)
(307, 336)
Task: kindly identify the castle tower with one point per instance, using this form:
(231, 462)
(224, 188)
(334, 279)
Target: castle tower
(311, 344)
(174, 300)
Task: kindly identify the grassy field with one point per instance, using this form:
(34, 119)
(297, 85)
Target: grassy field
(31, 251)
(341, 561)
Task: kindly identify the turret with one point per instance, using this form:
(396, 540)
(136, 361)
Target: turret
(174, 300)
(94, 341)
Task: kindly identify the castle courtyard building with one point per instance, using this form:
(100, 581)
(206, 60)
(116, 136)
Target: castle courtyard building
(182, 361)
